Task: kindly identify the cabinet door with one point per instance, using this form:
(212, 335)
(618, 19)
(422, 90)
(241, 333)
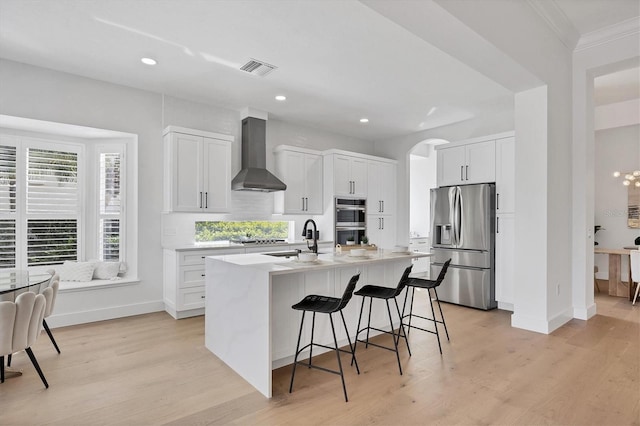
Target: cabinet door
(342, 175)
(188, 191)
(381, 230)
(359, 176)
(387, 183)
(505, 175)
(481, 162)
(217, 175)
(450, 166)
(313, 183)
(374, 181)
(292, 172)
(505, 247)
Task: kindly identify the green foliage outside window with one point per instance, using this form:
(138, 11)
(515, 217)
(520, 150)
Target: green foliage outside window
(225, 231)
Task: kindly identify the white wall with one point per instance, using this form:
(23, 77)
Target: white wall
(615, 149)
(43, 94)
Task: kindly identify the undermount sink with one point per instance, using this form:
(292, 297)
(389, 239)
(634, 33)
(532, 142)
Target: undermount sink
(290, 253)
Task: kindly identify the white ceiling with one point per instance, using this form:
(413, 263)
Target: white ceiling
(338, 60)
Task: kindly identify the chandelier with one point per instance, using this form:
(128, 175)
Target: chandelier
(629, 177)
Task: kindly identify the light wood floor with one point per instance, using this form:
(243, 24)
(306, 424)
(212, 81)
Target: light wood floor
(151, 370)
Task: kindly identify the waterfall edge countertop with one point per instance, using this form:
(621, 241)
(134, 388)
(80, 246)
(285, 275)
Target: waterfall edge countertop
(249, 323)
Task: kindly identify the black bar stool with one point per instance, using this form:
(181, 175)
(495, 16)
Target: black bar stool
(384, 293)
(325, 305)
(414, 283)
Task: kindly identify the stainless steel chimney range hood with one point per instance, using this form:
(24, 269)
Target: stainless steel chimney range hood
(254, 175)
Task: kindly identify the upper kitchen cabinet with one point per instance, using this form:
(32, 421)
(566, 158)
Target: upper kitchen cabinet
(381, 187)
(505, 175)
(301, 170)
(467, 164)
(349, 174)
(197, 170)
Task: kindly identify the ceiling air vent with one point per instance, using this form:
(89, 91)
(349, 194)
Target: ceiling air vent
(256, 67)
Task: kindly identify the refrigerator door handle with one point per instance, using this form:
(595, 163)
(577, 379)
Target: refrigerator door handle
(460, 216)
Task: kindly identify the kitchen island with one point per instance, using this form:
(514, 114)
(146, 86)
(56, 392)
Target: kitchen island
(249, 323)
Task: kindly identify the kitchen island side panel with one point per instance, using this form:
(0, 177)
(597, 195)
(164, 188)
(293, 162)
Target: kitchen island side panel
(237, 320)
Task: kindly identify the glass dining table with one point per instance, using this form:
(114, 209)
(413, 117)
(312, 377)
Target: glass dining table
(15, 282)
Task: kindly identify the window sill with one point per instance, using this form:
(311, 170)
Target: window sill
(73, 286)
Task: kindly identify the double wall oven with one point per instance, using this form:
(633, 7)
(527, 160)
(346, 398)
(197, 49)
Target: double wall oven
(351, 220)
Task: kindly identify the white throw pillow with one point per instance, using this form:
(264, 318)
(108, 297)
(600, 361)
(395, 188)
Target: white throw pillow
(106, 270)
(75, 271)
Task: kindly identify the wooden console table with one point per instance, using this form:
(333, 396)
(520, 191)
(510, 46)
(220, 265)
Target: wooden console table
(616, 286)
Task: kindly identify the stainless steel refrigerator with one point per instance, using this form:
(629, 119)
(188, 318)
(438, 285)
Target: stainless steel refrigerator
(463, 230)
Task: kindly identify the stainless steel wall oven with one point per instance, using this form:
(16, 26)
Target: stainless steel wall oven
(351, 220)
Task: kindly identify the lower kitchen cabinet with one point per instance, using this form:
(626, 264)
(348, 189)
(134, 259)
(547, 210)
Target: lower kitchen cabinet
(183, 287)
(420, 265)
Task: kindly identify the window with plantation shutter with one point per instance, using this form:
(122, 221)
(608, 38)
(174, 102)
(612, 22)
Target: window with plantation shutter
(52, 208)
(8, 199)
(39, 202)
(110, 211)
(65, 198)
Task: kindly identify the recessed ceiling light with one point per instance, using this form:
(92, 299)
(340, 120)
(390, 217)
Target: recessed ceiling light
(281, 98)
(148, 61)
(364, 120)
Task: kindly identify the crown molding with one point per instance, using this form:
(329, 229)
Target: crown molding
(557, 21)
(607, 34)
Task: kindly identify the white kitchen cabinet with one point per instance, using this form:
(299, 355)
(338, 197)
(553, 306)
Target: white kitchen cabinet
(349, 175)
(301, 170)
(183, 280)
(505, 175)
(420, 265)
(197, 170)
(381, 230)
(381, 191)
(467, 164)
(505, 248)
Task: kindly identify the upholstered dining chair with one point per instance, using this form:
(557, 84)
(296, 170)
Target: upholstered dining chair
(634, 258)
(20, 326)
(51, 293)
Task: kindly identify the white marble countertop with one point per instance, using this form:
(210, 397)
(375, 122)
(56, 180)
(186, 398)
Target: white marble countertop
(279, 265)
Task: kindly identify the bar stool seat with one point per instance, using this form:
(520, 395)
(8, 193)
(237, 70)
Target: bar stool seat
(428, 285)
(325, 305)
(383, 293)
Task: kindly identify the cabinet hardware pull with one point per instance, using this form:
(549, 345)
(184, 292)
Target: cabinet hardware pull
(382, 206)
(202, 275)
(202, 257)
(497, 225)
(383, 223)
(302, 198)
(467, 172)
(201, 297)
(200, 199)
(306, 201)
(497, 201)
(206, 200)
(461, 172)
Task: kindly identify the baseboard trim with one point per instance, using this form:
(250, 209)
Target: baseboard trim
(75, 318)
(585, 313)
(540, 325)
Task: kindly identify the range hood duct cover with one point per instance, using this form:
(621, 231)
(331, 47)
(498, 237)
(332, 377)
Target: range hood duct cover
(254, 175)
